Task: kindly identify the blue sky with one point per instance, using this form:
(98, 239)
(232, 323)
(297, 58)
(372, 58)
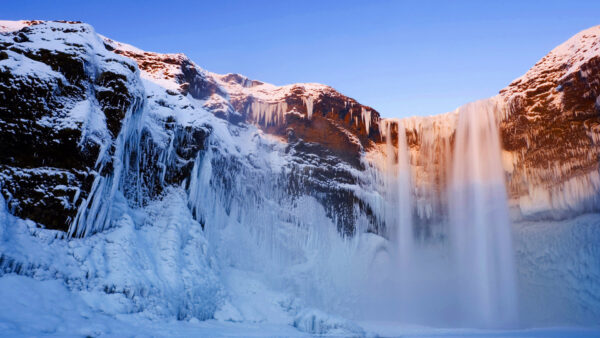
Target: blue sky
(401, 57)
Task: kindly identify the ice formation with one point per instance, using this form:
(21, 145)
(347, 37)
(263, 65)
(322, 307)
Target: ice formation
(365, 114)
(309, 103)
(268, 113)
(96, 212)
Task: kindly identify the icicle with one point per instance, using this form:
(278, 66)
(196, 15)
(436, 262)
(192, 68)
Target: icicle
(199, 190)
(430, 158)
(268, 113)
(95, 213)
(308, 102)
(366, 117)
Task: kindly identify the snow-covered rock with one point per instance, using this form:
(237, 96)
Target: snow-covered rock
(551, 130)
(62, 102)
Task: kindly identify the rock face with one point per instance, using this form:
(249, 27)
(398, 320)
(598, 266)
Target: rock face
(82, 116)
(325, 132)
(551, 132)
(67, 94)
(313, 113)
(62, 102)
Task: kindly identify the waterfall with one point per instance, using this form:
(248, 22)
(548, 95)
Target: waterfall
(393, 274)
(398, 214)
(480, 229)
(405, 235)
(402, 206)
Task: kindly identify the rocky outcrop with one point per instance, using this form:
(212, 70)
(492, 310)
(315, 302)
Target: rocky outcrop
(62, 102)
(67, 94)
(309, 112)
(550, 135)
(549, 130)
(322, 128)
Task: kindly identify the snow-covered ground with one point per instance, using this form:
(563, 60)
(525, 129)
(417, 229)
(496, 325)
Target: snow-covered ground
(30, 307)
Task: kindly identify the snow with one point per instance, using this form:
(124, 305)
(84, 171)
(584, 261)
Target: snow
(573, 52)
(21, 66)
(392, 329)
(269, 92)
(164, 75)
(32, 308)
(121, 45)
(559, 264)
(85, 45)
(11, 26)
(83, 41)
(268, 104)
(560, 63)
(35, 308)
(578, 49)
(318, 323)
(158, 264)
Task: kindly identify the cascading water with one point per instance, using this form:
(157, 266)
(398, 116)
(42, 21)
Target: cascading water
(466, 276)
(479, 220)
(393, 270)
(405, 236)
(398, 209)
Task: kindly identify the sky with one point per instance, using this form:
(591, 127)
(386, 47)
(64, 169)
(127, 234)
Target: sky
(402, 58)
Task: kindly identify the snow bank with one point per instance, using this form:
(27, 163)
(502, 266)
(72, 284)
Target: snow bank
(153, 261)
